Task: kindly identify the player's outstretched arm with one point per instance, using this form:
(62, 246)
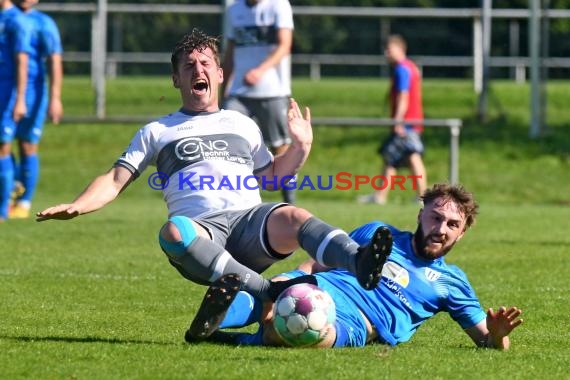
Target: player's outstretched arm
(494, 330)
(98, 193)
(301, 132)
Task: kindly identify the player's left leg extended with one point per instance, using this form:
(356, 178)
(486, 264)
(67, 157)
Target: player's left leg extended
(331, 247)
(203, 261)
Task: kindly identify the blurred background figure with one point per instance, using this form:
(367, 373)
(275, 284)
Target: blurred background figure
(15, 46)
(257, 68)
(404, 146)
(45, 60)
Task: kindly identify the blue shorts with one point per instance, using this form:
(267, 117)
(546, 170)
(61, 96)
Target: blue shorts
(30, 128)
(7, 101)
(349, 324)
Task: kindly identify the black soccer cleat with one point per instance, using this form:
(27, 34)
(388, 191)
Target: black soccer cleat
(277, 287)
(371, 258)
(214, 307)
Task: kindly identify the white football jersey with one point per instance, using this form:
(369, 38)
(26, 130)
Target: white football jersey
(207, 160)
(254, 32)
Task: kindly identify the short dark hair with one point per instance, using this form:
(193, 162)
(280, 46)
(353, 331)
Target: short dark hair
(197, 40)
(457, 194)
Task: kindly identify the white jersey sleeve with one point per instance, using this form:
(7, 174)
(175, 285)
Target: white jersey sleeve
(284, 19)
(140, 153)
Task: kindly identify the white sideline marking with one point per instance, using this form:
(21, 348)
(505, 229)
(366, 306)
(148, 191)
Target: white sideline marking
(96, 276)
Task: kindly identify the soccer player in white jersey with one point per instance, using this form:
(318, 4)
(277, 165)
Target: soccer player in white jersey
(219, 226)
(416, 284)
(257, 64)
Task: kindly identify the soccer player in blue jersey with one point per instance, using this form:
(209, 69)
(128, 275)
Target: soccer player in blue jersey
(41, 99)
(15, 47)
(416, 284)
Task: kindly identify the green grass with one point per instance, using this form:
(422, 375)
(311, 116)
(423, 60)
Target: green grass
(96, 298)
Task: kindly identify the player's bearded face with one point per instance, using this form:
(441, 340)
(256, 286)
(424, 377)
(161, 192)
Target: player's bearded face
(198, 78)
(440, 226)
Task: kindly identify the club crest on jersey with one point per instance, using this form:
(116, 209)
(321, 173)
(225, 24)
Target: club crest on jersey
(431, 274)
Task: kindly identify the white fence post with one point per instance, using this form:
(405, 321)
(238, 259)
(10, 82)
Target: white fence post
(486, 15)
(535, 64)
(477, 55)
(99, 55)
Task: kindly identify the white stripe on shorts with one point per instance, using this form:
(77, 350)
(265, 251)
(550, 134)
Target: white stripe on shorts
(324, 243)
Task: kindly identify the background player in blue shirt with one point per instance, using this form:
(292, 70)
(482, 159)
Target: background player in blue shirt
(416, 284)
(45, 60)
(15, 46)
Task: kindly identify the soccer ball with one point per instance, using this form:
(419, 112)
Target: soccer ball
(302, 315)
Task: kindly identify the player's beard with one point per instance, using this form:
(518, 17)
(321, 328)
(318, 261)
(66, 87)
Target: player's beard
(420, 243)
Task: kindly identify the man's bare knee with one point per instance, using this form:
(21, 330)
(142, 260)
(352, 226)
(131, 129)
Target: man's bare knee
(170, 232)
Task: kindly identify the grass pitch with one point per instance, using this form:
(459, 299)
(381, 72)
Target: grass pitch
(95, 297)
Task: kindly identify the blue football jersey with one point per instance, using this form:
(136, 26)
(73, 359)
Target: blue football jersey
(45, 41)
(15, 37)
(411, 291)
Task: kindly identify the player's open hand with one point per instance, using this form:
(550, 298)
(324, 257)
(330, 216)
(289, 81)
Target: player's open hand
(59, 212)
(253, 76)
(502, 322)
(20, 110)
(300, 127)
(55, 111)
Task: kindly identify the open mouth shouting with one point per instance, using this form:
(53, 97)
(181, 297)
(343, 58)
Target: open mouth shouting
(200, 87)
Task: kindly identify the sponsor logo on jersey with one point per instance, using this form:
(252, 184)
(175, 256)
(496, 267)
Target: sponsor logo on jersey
(194, 148)
(432, 275)
(255, 35)
(396, 273)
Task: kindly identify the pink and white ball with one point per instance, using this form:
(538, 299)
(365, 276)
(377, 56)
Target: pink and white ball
(302, 315)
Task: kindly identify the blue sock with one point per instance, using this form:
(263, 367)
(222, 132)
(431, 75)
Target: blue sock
(244, 310)
(29, 174)
(6, 184)
(16, 167)
(255, 339)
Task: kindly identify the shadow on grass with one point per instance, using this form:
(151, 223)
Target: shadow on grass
(84, 340)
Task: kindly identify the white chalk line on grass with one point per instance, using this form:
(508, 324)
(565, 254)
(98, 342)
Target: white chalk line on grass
(94, 276)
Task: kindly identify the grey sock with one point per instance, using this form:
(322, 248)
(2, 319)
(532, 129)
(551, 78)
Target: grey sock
(328, 245)
(206, 261)
(288, 195)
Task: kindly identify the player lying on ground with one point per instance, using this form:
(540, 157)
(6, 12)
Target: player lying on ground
(416, 284)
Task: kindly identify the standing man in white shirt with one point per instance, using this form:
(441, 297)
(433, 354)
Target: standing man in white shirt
(257, 62)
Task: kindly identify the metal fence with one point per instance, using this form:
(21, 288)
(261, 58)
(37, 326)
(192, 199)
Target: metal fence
(102, 62)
